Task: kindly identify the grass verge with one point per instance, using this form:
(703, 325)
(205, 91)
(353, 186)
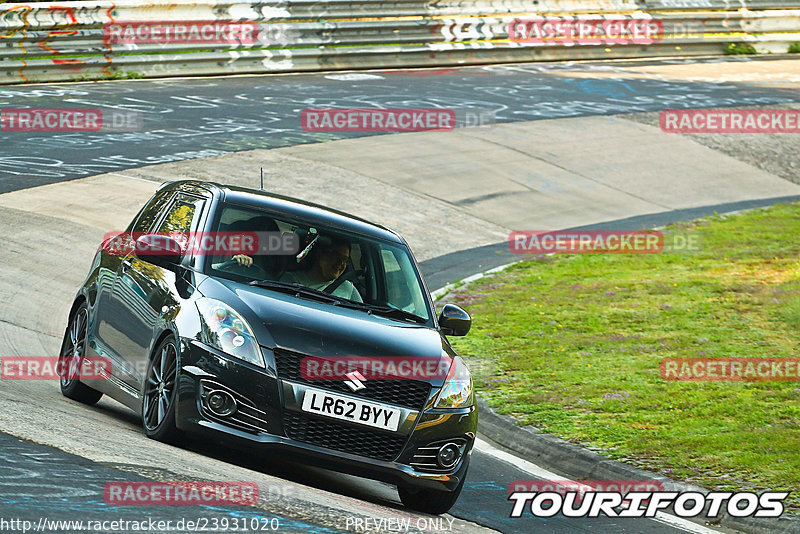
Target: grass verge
(739, 49)
(572, 345)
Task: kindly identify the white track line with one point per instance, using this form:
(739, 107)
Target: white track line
(683, 524)
(133, 177)
(540, 472)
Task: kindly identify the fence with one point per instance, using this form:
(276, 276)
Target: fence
(78, 40)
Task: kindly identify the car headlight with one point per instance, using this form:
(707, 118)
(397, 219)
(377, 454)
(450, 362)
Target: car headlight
(223, 328)
(457, 389)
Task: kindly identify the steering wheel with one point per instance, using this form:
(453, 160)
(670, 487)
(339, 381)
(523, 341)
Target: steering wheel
(233, 266)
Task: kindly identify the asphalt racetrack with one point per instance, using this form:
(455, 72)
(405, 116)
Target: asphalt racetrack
(59, 193)
(188, 118)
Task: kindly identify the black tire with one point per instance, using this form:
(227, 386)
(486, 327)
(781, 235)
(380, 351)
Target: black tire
(73, 351)
(434, 502)
(160, 392)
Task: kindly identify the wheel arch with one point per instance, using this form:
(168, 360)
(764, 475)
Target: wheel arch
(79, 300)
(167, 332)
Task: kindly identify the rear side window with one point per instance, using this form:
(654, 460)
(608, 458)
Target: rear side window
(182, 218)
(151, 212)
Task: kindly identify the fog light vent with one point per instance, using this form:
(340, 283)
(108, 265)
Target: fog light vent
(448, 455)
(221, 403)
(439, 456)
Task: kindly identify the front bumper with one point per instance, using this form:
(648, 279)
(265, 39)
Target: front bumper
(268, 407)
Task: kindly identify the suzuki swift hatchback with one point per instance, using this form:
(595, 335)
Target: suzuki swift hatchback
(321, 342)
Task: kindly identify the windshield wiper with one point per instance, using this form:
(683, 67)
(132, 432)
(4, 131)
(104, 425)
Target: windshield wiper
(295, 289)
(392, 312)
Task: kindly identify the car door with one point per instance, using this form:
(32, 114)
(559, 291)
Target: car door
(144, 292)
(108, 320)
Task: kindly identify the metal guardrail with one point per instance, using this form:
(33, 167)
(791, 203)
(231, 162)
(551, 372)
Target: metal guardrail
(75, 40)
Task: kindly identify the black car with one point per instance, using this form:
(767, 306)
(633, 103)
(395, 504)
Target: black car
(205, 341)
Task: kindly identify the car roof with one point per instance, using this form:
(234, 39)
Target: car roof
(292, 207)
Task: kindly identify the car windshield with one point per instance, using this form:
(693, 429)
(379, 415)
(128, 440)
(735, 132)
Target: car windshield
(314, 261)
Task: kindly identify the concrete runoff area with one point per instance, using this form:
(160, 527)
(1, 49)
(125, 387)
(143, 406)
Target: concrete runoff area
(444, 192)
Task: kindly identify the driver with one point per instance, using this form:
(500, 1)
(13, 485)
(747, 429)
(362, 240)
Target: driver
(328, 262)
(242, 264)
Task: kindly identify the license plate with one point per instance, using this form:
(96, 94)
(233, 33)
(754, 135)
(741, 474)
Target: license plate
(356, 411)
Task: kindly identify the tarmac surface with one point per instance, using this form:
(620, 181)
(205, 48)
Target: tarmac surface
(560, 156)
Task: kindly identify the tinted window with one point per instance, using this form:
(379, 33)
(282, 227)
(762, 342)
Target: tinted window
(403, 289)
(151, 212)
(182, 218)
(358, 268)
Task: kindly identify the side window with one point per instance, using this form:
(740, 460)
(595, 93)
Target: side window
(150, 213)
(402, 287)
(397, 291)
(182, 218)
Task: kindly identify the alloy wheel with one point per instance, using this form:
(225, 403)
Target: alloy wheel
(160, 386)
(72, 356)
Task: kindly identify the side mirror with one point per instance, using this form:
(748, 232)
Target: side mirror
(162, 250)
(454, 321)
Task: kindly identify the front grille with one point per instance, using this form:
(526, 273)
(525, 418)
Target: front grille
(342, 437)
(407, 393)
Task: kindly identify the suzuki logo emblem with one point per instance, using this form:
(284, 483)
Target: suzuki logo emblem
(355, 381)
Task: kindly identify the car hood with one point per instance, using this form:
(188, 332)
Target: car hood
(320, 329)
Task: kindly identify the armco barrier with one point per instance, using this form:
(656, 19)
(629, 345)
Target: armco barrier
(67, 41)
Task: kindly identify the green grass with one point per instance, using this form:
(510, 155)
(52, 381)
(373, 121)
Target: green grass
(794, 48)
(113, 75)
(572, 344)
(739, 49)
